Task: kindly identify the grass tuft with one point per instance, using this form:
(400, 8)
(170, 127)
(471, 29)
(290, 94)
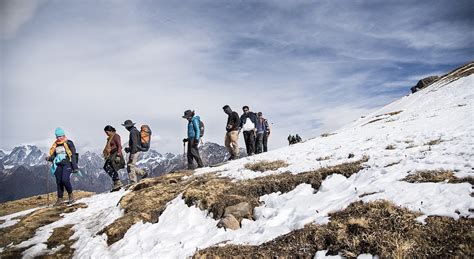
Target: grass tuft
(436, 176)
(325, 135)
(434, 142)
(264, 165)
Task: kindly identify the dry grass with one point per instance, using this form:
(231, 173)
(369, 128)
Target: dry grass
(323, 158)
(26, 228)
(379, 228)
(61, 237)
(264, 165)
(392, 164)
(325, 135)
(384, 116)
(435, 176)
(389, 113)
(390, 147)
(433, 142)
(372, 121)
(11, 207)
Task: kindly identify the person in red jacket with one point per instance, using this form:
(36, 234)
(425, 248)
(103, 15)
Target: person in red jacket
(113, 155)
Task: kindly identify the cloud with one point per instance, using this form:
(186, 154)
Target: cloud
(16, 13)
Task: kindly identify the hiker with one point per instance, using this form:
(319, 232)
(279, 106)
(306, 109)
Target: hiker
(290, 139)
(113, 156)
(298, 138)
(64, 158)
(263, 131)
(294, 139)
(247, 125)
(194, 133)
(232, 134)
(133, 148)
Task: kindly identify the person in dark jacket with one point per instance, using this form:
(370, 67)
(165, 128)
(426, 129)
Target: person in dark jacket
(113, 156)
(194, 133)
(248, 120)
(232, 133)
(133, 148)
(263, 132)
(64, 158)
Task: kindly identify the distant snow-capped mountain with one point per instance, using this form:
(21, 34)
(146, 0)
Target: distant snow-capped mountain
(25, 165)
(28, 155)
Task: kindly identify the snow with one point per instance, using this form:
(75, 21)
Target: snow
(443, 112)
(101, 211)
(12, 219)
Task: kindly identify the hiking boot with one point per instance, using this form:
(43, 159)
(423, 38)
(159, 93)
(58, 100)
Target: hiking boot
(117, 184)
(71, 198)
(145, 174)
(59, 202)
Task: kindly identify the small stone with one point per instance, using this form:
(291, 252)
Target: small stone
(229, 222)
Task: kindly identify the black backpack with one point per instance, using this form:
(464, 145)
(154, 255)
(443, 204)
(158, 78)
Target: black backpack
(201, 128)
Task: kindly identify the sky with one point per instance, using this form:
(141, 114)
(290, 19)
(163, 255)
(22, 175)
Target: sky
(310, 66)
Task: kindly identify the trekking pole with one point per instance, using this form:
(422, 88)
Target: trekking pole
(47, 190)
(184, 154)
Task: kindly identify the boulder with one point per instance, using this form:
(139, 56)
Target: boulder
(229, 222)
(423, 83)
(240, 211)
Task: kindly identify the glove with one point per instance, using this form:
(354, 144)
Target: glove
(185, 140)
(195, 143)
(127, 150)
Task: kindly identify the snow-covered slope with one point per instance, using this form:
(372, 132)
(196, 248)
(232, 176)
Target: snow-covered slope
(432, 129)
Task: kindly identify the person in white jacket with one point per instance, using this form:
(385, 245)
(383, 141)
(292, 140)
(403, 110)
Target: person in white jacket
(248, 120)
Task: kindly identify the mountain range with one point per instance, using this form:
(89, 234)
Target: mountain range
(24, 171)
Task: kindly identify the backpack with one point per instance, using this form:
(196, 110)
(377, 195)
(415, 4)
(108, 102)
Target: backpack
(145, 137)
(201, 128)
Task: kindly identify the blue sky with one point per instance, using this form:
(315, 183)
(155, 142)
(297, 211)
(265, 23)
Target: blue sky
(309, 66)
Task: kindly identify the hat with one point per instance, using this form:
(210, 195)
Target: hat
(59, 132)
(188, 114)
(225, 107)
(128, 123)
(259, 113)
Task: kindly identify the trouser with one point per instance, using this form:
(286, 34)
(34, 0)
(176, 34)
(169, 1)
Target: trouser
(133, 169)
(265, 141)
(193, 154)
(63, 179)
(259, 143)
(109, 169)
(249, 137)
(232, 143)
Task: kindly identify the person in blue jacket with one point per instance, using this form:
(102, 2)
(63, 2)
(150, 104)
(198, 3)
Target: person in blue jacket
(64, 159)
(194, 134)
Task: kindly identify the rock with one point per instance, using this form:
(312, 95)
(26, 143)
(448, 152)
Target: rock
(240, 211)
(229, 222)
(350, 155)
(423, 83)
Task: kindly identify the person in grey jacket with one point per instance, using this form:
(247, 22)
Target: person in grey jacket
(134, 146)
